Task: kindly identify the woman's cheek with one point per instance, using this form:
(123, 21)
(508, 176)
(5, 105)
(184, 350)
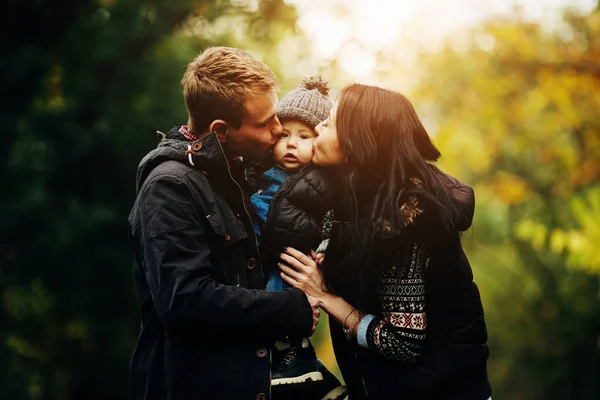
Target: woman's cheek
(315, 158)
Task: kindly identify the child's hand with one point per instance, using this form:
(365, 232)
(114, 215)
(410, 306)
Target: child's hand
(319, 258)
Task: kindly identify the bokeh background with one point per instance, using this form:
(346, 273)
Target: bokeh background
(510, 90)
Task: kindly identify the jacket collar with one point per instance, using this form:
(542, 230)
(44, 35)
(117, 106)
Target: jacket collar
(205, 154)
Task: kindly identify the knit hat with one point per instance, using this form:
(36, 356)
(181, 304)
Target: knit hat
(308, 103)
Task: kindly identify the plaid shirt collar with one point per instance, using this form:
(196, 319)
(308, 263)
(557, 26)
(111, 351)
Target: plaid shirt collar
(188, 135)
(185, 131)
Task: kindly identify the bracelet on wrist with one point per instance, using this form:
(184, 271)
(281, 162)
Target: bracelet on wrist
(346, 318)
(350, 330)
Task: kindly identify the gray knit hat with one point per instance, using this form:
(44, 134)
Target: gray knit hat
(308, 103)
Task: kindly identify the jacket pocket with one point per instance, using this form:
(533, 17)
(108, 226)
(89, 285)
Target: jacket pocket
(229, 231)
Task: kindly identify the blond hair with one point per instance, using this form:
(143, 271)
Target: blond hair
(217, 83)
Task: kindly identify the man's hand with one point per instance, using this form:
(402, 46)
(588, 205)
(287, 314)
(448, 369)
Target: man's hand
(315, 304)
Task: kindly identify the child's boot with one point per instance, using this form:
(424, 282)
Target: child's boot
(295, 363)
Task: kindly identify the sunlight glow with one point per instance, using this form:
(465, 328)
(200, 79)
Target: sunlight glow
(326, 32)
(379, 22)
(354, 59)
(352, 31)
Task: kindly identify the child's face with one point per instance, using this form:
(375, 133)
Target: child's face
(294, 149)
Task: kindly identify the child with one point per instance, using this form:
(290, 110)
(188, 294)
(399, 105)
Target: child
(291, 204)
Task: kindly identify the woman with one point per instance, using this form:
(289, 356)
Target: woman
(407, 320)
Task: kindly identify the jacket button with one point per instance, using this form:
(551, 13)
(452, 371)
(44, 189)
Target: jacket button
(261, 396)
(227, 237)
(261, 352)
(196, 146)
(259, 192)
(251, 264)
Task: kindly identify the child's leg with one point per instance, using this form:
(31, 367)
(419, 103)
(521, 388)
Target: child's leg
(275, 282)
(294, 361)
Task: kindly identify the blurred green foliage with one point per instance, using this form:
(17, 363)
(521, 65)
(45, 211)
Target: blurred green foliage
(86, 84)
(516, 110)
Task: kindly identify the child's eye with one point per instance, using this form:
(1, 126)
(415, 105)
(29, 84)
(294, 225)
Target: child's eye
(305, 137)
(285, 134)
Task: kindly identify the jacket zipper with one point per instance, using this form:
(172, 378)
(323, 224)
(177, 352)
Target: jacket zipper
(245, 210)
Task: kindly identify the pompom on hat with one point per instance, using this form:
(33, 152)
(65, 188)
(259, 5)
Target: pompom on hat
(308, 103)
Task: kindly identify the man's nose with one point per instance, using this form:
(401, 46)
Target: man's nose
(277, 129)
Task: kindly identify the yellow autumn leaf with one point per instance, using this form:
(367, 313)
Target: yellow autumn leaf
(510, 188)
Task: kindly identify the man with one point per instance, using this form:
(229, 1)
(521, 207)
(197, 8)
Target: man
(207, 326)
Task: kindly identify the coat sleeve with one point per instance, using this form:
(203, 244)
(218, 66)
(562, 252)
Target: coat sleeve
(177, 263)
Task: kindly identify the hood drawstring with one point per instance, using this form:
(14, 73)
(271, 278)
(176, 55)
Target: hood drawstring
(189, 153)
(191, 150)
(160, 135)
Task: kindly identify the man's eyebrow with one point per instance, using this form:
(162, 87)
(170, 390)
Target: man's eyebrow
(270, 117)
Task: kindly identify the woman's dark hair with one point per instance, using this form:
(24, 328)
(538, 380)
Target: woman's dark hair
(390, 158)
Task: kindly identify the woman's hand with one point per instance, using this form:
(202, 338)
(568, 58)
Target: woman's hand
(303, 272)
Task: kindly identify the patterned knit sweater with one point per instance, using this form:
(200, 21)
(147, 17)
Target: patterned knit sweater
(420, 270)
(399, 334)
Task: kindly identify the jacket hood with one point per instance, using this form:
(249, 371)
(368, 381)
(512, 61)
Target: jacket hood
(205, 154)
(465, 198)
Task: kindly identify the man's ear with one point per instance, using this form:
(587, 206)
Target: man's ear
(221, 128)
